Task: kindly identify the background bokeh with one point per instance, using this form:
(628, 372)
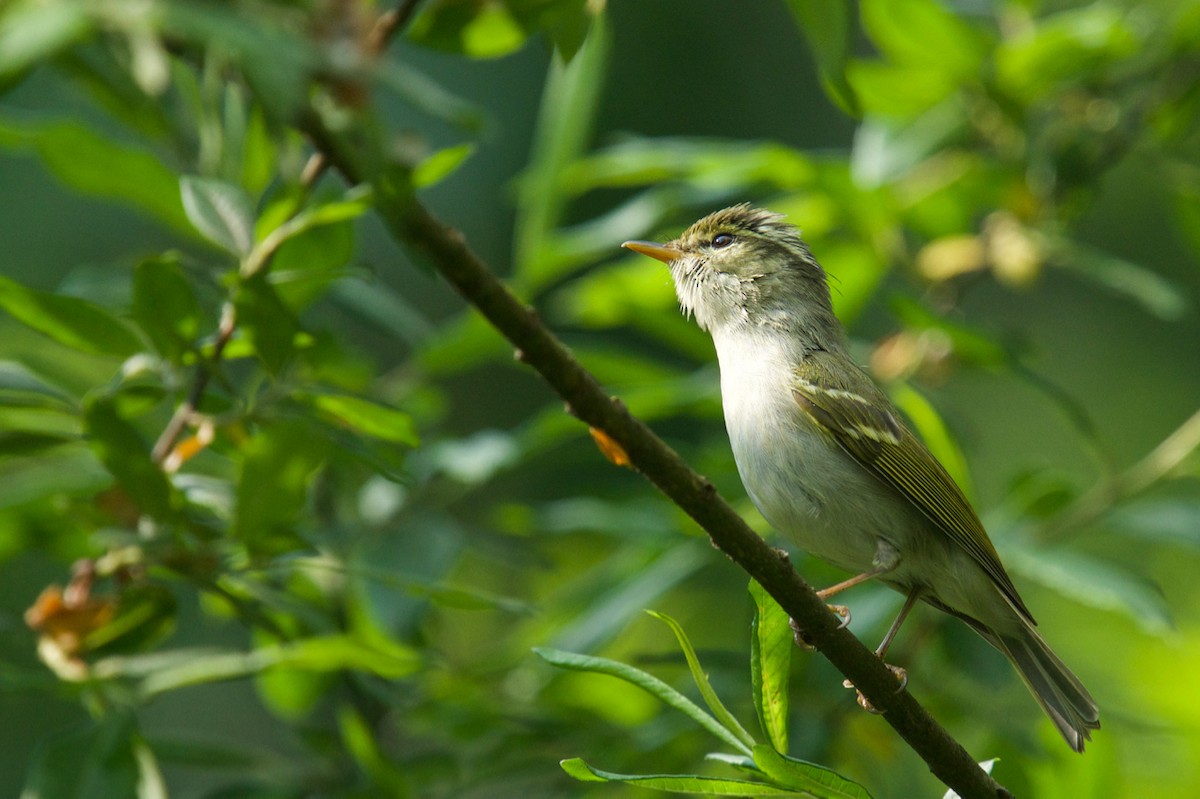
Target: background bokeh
(1007, 195)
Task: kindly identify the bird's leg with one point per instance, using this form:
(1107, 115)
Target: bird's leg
(913, 595)
(886, 559)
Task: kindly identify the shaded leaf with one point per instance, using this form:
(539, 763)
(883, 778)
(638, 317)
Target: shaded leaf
(90, 163)
(123, 451)
(268, 324)
(1154, 293)
(1096, 583)
(70, 321)
(165, 307)
(93, 760)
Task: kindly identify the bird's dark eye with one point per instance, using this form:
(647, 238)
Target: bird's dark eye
(721, 240)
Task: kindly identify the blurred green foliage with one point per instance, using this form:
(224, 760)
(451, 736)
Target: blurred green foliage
(326, 576)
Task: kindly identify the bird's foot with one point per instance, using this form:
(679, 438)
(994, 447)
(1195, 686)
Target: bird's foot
(801, 638)
(864, 703)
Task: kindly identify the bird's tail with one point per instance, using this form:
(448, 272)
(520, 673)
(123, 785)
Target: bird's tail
(1056, 688)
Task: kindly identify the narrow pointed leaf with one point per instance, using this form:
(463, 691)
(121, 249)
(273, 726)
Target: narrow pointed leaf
(677, 783)
(706, 690)
(771, 645)
(808, 777)
(647, 682)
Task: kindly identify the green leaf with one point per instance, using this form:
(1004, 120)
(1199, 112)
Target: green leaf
(70, 321)
(161, 672)
(677, 783)
(1063, 48)
(706, 690)
(771, 644)
(441, 164)
(565, 122)
(366, 417)
(33, 32)
(267, 323)
(1095, 583)
(220, 211)
(90, 163)
(1154, 293)
(95, 760)
(1172, 520)
(20, 386)
(828, 26)
(925, 33)
(123, 451)
(810, 778)
(647, 682)
(165, 307)
(65, 469)
(278, 464)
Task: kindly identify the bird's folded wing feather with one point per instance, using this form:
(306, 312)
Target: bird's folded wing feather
(861, 420)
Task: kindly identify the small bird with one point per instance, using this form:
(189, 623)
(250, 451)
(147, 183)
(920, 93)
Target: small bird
(826, 457)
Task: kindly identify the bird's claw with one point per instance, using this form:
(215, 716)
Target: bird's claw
(801, 638)
(901, 676)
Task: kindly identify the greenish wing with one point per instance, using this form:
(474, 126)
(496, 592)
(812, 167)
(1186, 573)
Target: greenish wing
(862, 421)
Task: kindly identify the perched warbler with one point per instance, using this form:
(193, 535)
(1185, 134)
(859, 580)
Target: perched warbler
(826, 457)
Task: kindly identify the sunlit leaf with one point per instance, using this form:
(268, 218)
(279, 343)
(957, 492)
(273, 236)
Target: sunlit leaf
(771, 644)
(811, 778)
(925, 33)
(569, 104)
(441, 164)
(366, 417)
(711, 699)
(31, 32)
(678, 783)
(220, 211)
(829, 27)
(277, 466)
(171, 670)
(647, 682)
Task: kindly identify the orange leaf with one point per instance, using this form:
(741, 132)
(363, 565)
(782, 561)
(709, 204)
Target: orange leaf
(610, 448)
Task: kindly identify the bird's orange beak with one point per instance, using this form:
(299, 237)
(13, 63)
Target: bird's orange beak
(662, 252)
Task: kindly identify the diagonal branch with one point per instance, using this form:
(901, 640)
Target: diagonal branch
(412, 224)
